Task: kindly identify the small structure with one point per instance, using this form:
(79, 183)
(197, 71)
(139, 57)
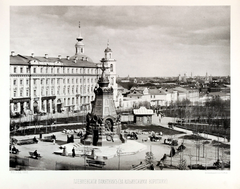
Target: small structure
(143, 116)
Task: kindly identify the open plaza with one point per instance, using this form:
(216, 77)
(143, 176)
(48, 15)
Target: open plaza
(122, 156)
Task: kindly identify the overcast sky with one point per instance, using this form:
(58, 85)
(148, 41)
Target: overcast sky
(145, 40)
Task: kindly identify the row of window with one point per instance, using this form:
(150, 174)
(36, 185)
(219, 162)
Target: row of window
(64, 81)
(65, 91)
(52, 70)
(66, 101)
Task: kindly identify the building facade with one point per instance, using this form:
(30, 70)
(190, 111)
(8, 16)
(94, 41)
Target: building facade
(53, 84)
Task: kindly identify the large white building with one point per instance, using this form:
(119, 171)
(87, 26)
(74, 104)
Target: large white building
(50, 84)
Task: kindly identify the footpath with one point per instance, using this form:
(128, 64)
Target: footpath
(164, 123)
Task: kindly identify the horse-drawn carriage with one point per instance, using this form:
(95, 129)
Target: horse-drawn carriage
(171, 142)
(132, 136)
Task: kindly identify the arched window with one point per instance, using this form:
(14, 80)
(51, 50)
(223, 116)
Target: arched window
(111, 68)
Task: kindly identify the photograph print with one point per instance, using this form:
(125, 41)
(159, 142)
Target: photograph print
(96, 88)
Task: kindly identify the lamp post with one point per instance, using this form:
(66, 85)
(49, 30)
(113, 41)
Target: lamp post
(119, 151)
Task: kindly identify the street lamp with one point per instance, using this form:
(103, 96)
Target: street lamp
(119, 151)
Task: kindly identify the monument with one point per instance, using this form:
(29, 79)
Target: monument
(103, 124)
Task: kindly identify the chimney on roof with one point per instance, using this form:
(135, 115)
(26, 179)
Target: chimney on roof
(67, 57)
(12, 53)
(59, 57)
(32, 55)
(46, 55)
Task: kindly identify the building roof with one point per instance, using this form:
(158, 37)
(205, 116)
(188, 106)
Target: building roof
(135, 93)
(71, 62)
(143, 111)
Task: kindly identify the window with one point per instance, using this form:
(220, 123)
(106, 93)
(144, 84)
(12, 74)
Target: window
(47, 92)
(27, 69)
(47, 81)
(72, 81)
(88, 80)
(111, 68)
(41, 70)
(34, 81)
(35, 93)
(80, 80)
(14, 93)
(63, 70)
(34, 70)
(27, 92)
(15, 107)
(73, 90)
(64, 90)
(27, 82)
(58, 81)
(76, 70)
(63, 81)
(42, 91)
(58, 90)
(52, 91)
(76, 80)
(68, 81)
(14, 82)
(52, 82)
(77, 89)
(68, 90)
(72, 71)
(41, 81)
(68, 70)
(21, 82)
(58, 70)
(14, 70)
(46, 70)
(21, 70)
(51, 70)
(21, 92)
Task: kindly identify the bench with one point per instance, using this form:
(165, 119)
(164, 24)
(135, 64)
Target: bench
(27, 141)
(95, 163)
(32, 155)
(140, 167)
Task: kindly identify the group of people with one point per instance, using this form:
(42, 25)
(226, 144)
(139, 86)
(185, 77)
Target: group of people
(13, 149)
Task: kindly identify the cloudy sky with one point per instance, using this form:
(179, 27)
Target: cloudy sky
(145, 40)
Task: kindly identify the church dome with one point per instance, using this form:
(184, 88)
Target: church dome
(108, 50)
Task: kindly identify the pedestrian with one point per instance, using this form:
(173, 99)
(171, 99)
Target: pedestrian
(73, 152)
(161, 165)
(64, 151)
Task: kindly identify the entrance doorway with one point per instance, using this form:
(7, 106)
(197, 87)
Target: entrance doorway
(35, 107)
(59, 106)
